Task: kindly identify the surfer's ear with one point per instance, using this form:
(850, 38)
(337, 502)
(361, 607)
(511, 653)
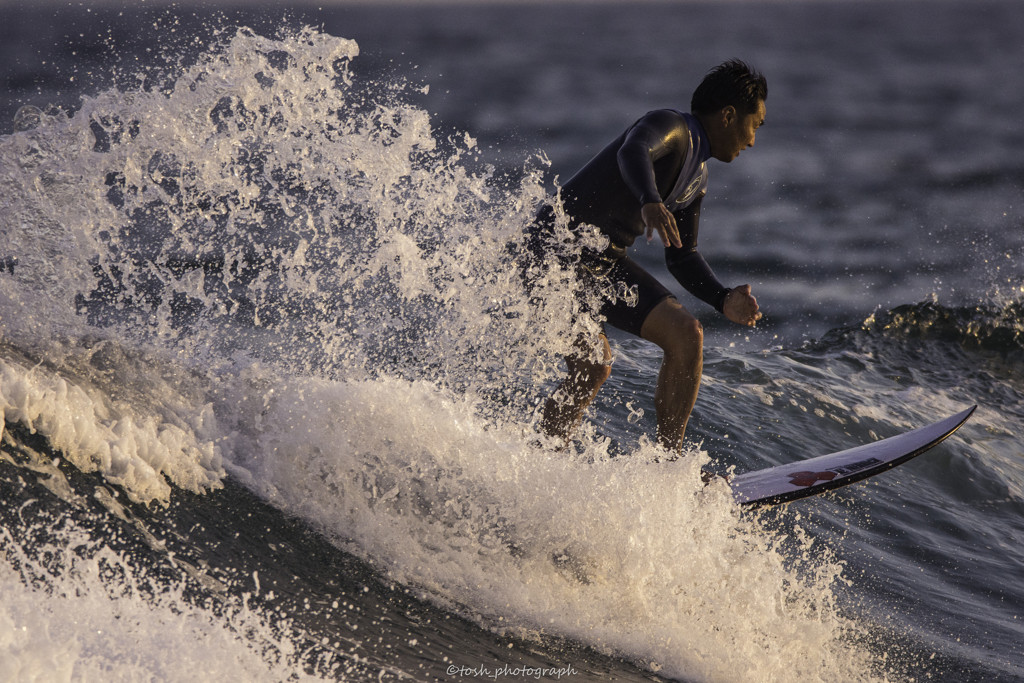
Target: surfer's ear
(728, 116)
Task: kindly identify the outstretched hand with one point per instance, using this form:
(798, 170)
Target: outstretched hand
(740, 307)
(657, 217)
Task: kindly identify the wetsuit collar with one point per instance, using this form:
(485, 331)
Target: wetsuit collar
(704, 144)
(693, 173)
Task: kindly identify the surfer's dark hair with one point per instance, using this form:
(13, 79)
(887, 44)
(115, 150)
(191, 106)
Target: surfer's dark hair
(731, 83)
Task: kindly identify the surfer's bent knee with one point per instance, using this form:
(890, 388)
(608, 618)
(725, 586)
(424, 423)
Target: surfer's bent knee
(673, 328)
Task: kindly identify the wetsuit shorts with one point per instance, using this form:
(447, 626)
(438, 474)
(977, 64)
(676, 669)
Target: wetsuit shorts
(649, 293)
(597, 271)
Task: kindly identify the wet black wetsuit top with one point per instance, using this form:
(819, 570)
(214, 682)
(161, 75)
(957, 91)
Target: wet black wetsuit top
(660, 158)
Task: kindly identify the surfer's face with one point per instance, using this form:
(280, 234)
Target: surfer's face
(730, 132)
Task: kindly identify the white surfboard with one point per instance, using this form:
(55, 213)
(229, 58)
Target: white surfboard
(795, 480)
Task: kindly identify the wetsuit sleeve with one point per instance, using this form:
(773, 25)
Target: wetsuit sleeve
(689, 267)
(656, 135)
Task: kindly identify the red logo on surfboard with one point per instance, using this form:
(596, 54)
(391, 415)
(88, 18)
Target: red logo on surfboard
(810, 478)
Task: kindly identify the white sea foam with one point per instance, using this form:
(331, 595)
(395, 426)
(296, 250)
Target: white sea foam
(91, 615)
(615, 552)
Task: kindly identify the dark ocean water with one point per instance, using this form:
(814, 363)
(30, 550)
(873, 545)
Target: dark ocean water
(269, 377)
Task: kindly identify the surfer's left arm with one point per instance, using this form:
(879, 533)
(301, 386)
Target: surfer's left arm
(690, 269)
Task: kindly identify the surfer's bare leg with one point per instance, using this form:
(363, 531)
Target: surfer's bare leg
(564, 410)
(681, 337)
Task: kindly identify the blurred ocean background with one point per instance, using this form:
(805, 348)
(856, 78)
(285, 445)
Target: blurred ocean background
(270, 378)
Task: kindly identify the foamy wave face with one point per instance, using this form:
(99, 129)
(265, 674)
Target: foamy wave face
(141, 453)
(631, 557)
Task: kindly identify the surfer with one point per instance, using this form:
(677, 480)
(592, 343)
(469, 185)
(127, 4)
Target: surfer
(652, 178)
